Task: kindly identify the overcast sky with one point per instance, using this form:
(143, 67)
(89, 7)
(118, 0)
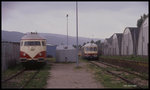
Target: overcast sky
(96, 19)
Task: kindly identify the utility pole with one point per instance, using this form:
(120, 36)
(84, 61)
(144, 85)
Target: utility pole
(77, 32)
(67, 29)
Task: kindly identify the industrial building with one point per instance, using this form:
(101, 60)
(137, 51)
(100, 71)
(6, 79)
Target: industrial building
(108, 46)
(129, 41)
(116, 43)
(143, 40)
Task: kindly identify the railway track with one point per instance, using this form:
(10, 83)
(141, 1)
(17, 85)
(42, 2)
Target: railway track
(20, 73)
(13, 76)
(31, 79)
(113, 72)
(138, 66)
(134, 73)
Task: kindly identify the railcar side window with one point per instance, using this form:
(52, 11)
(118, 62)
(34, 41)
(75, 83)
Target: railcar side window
(21, 43)
(32, 43)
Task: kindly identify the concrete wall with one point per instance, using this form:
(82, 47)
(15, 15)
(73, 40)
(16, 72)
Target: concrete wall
(66, 55)
(10, 54)
(143, 42)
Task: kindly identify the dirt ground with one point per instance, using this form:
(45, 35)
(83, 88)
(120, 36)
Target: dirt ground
(66, 75)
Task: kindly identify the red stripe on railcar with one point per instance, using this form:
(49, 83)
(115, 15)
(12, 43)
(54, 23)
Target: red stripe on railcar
(43, 55)
(24, 56)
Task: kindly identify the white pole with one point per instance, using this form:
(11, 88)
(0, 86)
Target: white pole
(67, 29)
(77, 32)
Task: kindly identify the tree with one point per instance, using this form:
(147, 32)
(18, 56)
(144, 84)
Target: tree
(141, 20)
(74, 46)
(83, 44)
(92, 41)
(98, 43)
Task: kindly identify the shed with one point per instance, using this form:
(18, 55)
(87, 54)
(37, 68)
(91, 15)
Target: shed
(105, 47)
(65, 54)
(116, 43)
(50, 50)
(110, 49)
(129, 41)
(143, 41)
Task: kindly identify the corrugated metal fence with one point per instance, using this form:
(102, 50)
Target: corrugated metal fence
(10, 54)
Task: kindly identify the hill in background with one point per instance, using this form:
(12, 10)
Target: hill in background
(54, 39)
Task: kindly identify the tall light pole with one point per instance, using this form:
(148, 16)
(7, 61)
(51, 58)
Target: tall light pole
(77, 32)
(67, 29)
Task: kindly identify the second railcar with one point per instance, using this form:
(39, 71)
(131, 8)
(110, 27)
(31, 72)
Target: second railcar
(90, 51)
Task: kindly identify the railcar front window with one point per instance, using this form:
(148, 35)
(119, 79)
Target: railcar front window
(32, 43)
(91, 49)
(95, 49)
(87, 49)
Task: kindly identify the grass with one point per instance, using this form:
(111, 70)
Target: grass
(51, 59)
(11, 70)
(131, 57)
(78, 67)
(106, 79)
(39, 81)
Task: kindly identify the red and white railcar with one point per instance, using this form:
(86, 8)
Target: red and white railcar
(90, 51)
(32, 48)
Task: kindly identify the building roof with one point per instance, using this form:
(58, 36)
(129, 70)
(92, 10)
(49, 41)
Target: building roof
(134, 34)
(32, 35)
(110, 40)
(134, 31)
(64, 47)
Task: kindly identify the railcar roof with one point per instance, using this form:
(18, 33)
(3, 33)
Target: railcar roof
(31, 36)
(90, 44)
(64, 47)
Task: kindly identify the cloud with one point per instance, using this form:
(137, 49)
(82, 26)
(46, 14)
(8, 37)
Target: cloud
(95, 18)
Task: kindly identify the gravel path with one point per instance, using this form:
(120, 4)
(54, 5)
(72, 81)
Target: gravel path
(66, 75)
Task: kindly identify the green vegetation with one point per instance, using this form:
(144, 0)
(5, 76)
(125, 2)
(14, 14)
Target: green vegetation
(141, 20)
(83, 60)
(51, 59)
(78, 67)
(39, 81)
(11, 71)
(134, 58)
(106, 79)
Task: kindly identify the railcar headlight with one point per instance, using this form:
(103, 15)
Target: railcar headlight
(24, 54)
(40, 54)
